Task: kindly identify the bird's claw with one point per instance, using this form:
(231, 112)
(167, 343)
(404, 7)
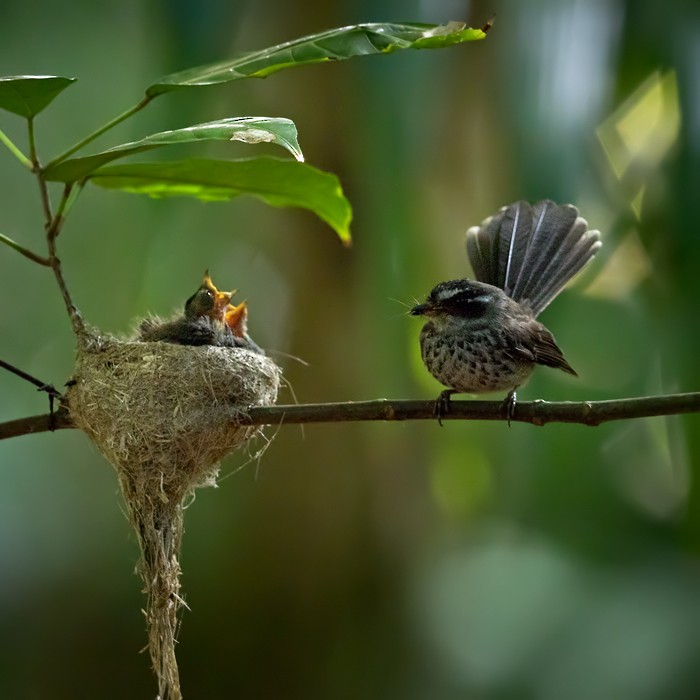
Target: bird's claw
(442, 404)
(509, 405)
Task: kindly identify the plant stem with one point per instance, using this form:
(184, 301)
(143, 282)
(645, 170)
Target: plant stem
(36, 167)
(4, 138)
(106, 127)
(52, 226)
(43, 386)
(52, 231)
(25, 251)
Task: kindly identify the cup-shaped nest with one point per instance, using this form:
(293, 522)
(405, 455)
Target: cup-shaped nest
(166, 411)
(164, 415)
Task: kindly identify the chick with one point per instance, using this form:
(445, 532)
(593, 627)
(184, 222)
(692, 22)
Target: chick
(202, 323)
(236, 320)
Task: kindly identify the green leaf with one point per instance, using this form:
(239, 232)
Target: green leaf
(279, 182)
(27, 95)
(332, 45)
(247, 129)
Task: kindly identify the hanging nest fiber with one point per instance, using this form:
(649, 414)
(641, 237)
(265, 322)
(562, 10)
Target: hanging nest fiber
(164, 415)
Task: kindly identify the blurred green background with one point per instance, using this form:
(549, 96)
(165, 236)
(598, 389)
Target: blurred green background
(379, 560)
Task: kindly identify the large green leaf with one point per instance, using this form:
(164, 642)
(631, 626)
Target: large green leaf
(27, 95)
(332, 45)
(248, 129)
(279, 182)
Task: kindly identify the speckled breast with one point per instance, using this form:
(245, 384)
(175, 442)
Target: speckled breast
(475, 361)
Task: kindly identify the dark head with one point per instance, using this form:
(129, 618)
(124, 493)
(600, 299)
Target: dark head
(459, 298)
(207, 301)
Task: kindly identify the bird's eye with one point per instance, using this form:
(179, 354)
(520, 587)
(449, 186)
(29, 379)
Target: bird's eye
(208, 293)
(469, 306)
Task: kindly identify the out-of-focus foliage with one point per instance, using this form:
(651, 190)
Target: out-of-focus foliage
(377, 561)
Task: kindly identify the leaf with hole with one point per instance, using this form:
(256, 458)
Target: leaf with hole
(279, 182)
(27, 95)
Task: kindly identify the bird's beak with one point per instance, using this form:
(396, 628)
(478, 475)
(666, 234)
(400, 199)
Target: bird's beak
(420, 310)
(206, 282)
(223, 299)
(236, 317)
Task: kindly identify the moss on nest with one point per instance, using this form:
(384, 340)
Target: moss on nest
(164, 415)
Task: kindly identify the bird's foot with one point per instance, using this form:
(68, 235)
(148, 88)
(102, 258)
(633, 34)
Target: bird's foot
(509, 405)
(442, 404)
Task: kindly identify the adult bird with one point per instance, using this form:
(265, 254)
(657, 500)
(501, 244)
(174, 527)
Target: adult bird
(483, 336)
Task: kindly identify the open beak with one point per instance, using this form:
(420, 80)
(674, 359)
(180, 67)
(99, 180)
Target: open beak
(206, 282)
(236, 317)
(222, 300)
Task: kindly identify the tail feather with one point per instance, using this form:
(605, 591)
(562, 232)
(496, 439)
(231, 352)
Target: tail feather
(547, 248)
(531, 252)
(482, 249)
(513, 242)
(497, 247)
(585, 248)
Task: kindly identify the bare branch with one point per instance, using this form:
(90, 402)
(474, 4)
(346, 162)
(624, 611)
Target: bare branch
(36, 424)
(589, 413)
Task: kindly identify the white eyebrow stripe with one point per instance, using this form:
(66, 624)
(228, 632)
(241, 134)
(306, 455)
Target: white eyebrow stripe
(482, 297)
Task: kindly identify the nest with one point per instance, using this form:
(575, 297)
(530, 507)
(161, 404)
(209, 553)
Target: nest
(164, 415)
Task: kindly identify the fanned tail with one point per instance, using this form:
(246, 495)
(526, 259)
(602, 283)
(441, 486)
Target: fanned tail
(531, 252)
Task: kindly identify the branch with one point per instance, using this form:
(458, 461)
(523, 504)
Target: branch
(52, 226)
(24, 251)
(42, 386)
(590, 413)
(15, 151)
(106, 127)
(52, 231)
(36, 424)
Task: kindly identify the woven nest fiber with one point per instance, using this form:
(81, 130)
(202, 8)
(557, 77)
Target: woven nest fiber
(168, 408)
(164, 415)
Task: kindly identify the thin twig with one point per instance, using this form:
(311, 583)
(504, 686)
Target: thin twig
(43, 386)
(25, 251)
(106, 127)
(589, 413)
(51, 234)
(5, 139)
(52, 226)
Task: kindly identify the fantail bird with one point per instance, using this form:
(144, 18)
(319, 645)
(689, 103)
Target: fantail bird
(202, 323)
(483, 336)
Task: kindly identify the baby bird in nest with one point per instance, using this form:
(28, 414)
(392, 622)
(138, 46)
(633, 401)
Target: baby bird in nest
(205, 321)
(236, 318)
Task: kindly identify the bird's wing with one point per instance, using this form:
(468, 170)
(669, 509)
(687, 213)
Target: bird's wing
(536, 344)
